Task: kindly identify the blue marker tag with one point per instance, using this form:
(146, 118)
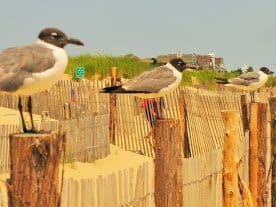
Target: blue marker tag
(79, 72)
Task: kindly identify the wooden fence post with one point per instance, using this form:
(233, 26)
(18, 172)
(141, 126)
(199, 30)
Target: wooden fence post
(257, 153)
(34, 176)
(244, 109)
(183, 124)
(272, 104)
(230, 159)
(113, 108)
(168, 164)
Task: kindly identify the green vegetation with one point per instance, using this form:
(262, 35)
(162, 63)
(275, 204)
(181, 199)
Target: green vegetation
(205, 78)
(271, 82)
(98, 67)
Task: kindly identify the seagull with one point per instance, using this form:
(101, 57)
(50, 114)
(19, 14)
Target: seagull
(35, 67)
(248, 81)
(153, 83)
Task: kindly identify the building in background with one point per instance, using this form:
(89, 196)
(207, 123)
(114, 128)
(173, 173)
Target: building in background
(202, 62)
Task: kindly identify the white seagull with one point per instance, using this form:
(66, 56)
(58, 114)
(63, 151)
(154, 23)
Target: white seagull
(248, 81)
(153, 83)
(34, 68)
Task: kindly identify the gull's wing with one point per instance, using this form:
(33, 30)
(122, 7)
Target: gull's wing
(151, 81)
(18, 63)
(246, 79)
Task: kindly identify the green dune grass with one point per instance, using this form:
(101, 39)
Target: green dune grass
(98, 67)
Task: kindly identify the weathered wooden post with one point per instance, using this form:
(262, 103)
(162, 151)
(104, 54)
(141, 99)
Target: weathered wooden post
(168, 163)
(244, 109)
(257, 153)
(246, 195)
(230, 159)
(183, 124)
(34, 177)
(272, 104)
(112, 104)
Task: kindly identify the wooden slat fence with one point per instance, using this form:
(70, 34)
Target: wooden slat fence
(78, 108)
(204, 122)
(84, 143)
(66, 100)
(76, 99)
(5, 130)
(84, 113)
(203, 180)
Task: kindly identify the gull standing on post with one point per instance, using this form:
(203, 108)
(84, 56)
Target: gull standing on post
(248, 81)
(153, 83)
(34, 68)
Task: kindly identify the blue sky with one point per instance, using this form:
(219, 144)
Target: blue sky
(240, 31)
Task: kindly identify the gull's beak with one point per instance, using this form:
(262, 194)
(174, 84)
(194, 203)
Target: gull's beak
(74, 41)
(271, 72)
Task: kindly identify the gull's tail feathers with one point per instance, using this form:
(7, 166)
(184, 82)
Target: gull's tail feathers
(119, 89)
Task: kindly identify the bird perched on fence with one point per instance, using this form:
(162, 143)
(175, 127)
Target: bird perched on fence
(248, 81)
(153, 83)
(34, 68)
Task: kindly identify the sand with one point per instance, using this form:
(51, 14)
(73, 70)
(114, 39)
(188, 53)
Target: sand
(12, 117)
(122, 178)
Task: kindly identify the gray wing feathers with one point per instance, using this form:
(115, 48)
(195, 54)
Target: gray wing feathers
(249, 76)
(246, 79)
(151, 81)
(11, 82)
(16, 64)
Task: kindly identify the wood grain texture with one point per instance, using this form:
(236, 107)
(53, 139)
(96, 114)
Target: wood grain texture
(168, 164)
(272, 104)
(257, 153)
(230, 159)
(34, 176)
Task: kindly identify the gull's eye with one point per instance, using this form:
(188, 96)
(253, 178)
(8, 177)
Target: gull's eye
(55, 35)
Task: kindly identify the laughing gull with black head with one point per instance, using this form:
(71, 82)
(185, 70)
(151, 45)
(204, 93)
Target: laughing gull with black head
(34, 68)
(153, 83)
(248, 81)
